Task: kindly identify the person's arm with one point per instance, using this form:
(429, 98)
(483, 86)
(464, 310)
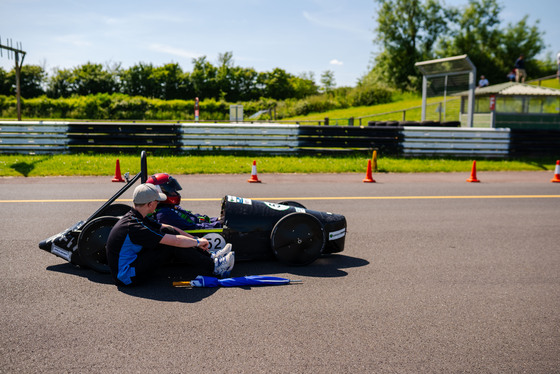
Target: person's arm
(184, 241)
(181, 232)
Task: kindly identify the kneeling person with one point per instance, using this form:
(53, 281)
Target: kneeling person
(137, 245)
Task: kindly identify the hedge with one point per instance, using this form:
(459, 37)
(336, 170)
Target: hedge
(123, 107)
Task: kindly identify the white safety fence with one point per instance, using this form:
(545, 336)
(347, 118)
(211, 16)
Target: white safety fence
(50, 137)
(33, 137)
(239, 137)
(455, 141)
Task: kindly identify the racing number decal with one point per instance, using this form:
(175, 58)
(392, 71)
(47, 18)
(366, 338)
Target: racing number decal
(282, 207)
(277, 206)
(216, 241)
(239, 200)
(337, 234)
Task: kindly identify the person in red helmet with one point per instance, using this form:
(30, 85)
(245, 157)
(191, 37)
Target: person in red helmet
(170, 212)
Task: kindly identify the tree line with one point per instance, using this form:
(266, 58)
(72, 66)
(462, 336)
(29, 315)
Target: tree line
(224, 81)
(409, 31)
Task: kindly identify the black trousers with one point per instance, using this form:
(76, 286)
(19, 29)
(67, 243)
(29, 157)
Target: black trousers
(149, 260)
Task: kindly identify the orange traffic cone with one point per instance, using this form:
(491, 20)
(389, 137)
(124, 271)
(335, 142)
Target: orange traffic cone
(369, 177)
(473, 179)
(118, 177)
(556, 178)
(254, 178)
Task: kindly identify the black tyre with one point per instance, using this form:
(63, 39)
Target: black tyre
(451, 124)
(298, 239)
(92, 241)
(292, 203)
(409, 123)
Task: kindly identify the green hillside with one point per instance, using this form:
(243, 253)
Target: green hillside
(551, 83)
(408, 103)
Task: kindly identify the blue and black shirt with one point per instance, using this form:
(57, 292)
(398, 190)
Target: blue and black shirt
(131, 235)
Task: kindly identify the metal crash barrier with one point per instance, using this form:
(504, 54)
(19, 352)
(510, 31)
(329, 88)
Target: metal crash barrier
(50, 137)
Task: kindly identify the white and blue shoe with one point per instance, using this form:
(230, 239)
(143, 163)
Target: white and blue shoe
(222, 252)
(224, 265)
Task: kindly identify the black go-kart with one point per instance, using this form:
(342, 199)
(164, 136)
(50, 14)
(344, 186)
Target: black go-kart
(257, 230)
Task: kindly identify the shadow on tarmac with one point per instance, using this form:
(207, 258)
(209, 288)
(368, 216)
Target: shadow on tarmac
(67, 268)
(160, 288)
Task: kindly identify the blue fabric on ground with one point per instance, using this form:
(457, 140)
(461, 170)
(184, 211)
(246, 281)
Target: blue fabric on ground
(249, 280)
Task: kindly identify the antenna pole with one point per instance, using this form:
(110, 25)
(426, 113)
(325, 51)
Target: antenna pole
(19, 55)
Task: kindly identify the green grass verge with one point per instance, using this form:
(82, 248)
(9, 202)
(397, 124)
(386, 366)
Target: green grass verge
(550, 83)
(104, 165)
(408, 102)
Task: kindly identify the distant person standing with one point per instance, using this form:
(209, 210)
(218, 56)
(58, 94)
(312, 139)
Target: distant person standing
(483, 82)
(511, 75)
(520, 73)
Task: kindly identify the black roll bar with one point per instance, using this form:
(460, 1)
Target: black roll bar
(142, 175)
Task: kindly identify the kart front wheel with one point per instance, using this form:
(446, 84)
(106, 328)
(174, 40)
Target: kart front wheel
(298, 239)
(92, 241)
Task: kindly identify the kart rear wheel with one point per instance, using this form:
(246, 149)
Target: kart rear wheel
(292, 203)
(91, 243)
(298, 239)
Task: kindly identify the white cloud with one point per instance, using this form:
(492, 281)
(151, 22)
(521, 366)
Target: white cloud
(174, 51)
(336, 62)
(74, 39)
(112, 21)
(334, 22)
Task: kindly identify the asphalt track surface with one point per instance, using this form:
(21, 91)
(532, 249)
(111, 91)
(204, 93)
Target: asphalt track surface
(437, 276)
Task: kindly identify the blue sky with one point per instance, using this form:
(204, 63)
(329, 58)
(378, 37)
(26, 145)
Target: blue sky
(298, 36)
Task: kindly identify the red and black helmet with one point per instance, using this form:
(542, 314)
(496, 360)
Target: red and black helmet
(169, 186)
